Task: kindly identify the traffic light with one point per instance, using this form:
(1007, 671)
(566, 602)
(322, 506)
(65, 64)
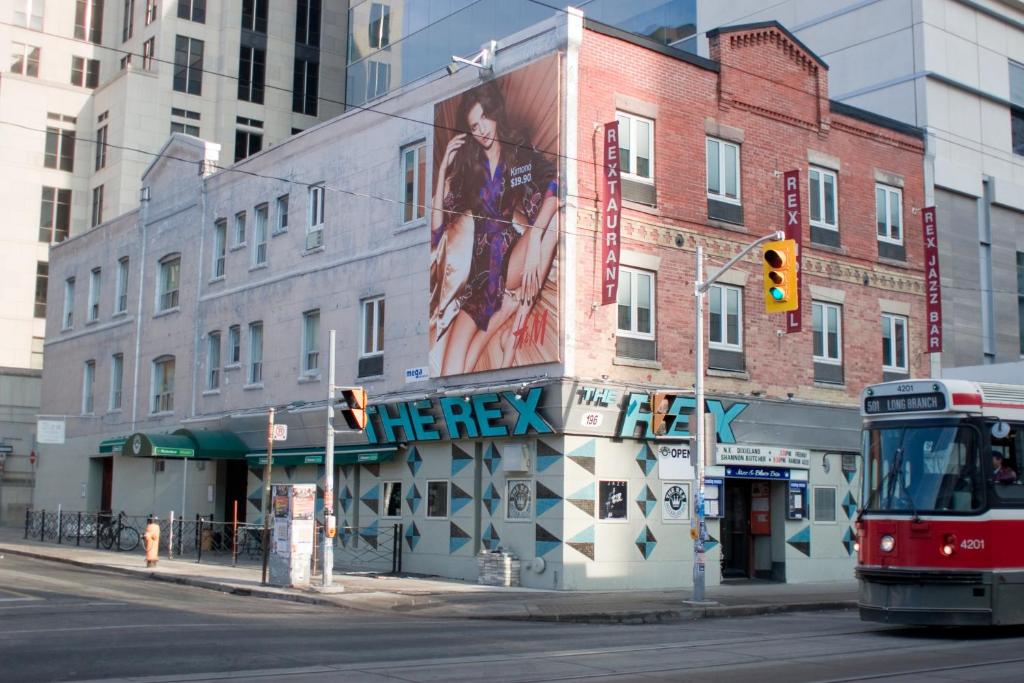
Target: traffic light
(661, 420)
(354, 411)
(781, 291)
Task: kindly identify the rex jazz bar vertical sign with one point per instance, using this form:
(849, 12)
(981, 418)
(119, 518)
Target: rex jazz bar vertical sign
(611, 200)
(794, 231)
(933, 286)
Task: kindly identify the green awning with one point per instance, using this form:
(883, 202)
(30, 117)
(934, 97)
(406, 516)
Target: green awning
(343, 455)
(145, 445)
(215, 445)
(112, 445)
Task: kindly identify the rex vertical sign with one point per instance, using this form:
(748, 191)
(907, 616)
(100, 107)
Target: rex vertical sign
(933, 286)
(794, 231)
(611, 200)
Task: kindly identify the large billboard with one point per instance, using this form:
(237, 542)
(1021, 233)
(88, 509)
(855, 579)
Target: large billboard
(495, 224)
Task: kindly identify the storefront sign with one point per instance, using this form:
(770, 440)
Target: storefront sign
(597, 396)
(674, 461)
(486, 415)
(794, 231)
(675, 502)
(933, 285)
(637, 415)
(421, 374)
(519, 500)
(770, 456)
(611, 201)
(757, 473)
(50, 431)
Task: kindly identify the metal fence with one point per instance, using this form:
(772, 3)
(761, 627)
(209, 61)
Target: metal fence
(376, 549)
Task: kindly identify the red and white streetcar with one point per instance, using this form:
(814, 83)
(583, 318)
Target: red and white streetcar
(941, 529)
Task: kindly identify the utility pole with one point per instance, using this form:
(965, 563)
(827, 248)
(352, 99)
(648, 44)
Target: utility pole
(327, 557)
(267, 513)
(700, 288)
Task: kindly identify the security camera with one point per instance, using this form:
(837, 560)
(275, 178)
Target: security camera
(452, 69)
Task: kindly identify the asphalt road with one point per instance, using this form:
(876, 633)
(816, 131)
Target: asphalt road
(63, 623)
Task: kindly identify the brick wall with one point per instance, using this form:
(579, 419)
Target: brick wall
(773, 95)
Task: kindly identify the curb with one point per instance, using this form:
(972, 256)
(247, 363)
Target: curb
(664, 616)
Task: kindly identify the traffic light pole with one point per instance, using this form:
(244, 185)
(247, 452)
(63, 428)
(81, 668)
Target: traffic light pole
(327, 556)
(700, 288)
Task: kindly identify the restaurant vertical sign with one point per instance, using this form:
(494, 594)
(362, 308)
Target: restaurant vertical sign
(933, 285)
(611, 201)
(794, 231)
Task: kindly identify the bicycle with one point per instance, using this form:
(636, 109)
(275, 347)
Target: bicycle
(114, 533)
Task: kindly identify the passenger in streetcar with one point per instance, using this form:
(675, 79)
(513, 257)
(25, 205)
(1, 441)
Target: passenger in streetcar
(1001, 472)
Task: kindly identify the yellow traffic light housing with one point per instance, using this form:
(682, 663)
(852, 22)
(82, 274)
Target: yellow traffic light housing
(781, 289)
(355, 410)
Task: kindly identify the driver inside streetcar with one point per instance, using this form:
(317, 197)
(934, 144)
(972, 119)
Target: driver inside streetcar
(1001, 472)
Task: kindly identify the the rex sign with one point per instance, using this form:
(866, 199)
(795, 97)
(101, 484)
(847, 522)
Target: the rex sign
(636, 418)
(485, 415)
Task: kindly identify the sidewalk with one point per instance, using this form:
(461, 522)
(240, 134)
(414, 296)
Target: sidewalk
(435, 597)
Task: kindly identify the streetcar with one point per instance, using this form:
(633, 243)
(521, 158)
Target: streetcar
(940, 532)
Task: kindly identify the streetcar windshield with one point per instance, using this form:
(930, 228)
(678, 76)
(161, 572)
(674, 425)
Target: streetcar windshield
(923, 468)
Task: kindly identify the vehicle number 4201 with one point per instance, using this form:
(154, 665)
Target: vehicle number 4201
(972, 544)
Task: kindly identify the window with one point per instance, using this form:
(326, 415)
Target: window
(234, 345)
(723, 159)
(373, 327)
(163, 385)
(97, 206)
(193, 10)
(85, 73)
(247, 143)
(636, 303)
(311, 342)
(254, 15)
(259, 237)
(148, 54)
(380, 25)
(1020, 300)
(188, 65)
(128, 21)
(213, 361)
(220, 238)
(68, 318)
(307, 22)
(93, 313)
(184, 126)
(170, 275)
(414, 179)
(1017, 107)
(636, 146)
(89, 20)
(42, 281)
(889, 213)
(54, 215)
(252, 66)
(316, 208)
(894, 343)
(60, 149)
(239, 228)
(88, 386)
(823, 198)
(24, 59)
(824, 504)
(827, 330)
(36, 358)
(726, 317)
(101, 147)
(305, 86)
(116, 379)
(437, 499)
(121, 302)
(282, 215)
(392, 499)
(378, 78)
(150, 11)
(29, 14)
(255, 353)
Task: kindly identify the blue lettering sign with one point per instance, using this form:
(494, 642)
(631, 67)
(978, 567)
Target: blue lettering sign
(457, 410)
(486, 415)
(423, 422)
(528, 418)
(681, 407)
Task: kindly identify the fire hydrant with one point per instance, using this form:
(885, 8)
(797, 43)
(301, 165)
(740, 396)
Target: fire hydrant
(152, 541)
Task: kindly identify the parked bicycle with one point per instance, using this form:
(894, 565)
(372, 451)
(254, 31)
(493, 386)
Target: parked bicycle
(114, 534)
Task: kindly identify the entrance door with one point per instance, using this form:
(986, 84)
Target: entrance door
(236, 483)
(107, 484)
(736, 538)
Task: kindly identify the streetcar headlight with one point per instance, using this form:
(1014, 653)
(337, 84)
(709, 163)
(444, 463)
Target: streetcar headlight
(948, 545)
(887, 543)
(856, 547)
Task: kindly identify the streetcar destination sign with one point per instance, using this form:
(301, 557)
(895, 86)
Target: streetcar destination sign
(905, 403)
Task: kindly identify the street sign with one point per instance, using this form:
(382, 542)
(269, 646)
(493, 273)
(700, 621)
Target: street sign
(280, 432)
(5, 449)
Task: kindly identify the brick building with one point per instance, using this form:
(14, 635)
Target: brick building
(509, 408)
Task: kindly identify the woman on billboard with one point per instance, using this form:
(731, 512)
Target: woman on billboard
(493, 222)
